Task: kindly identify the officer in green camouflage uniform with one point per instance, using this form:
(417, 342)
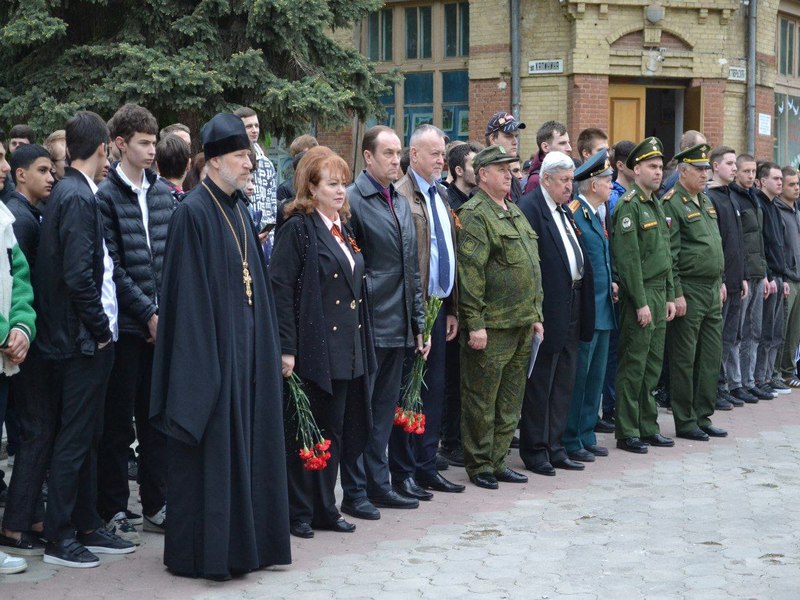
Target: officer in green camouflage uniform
(694, 338)
(643, 268)
(500, 303)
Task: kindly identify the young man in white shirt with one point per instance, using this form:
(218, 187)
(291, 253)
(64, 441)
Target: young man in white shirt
(136, 207)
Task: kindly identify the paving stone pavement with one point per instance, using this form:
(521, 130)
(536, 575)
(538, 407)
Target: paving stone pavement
(701, 520)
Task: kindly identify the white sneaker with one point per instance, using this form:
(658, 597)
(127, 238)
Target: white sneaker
(156, 523)
(11, 564)
(120, 525)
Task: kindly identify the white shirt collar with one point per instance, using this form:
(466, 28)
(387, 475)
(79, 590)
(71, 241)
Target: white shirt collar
(551, 204)
(145, 184)
(424, 185)
(92, 184)
(328, 223)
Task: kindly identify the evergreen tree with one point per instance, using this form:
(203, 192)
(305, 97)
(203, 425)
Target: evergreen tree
(185, 60)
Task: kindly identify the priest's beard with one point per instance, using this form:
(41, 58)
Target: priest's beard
(228, 177)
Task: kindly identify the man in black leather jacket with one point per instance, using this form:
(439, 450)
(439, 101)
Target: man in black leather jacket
(136, 207)
(74, 284)
(384, 230)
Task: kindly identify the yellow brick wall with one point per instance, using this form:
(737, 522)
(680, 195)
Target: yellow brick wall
(581, 34)
(489, 38)
(734, 128)
(714, 40)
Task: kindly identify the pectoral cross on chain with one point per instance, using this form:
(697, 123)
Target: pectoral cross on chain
(248, 290)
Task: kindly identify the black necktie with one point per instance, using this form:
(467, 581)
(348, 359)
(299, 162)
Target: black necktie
(573, 242)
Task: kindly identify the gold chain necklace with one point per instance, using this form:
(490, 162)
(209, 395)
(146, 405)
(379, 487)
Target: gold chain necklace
(246, 278)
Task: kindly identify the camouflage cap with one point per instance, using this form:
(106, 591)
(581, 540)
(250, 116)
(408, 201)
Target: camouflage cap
(647, 148)
(697, 156)
(503, 121)
(492, 155)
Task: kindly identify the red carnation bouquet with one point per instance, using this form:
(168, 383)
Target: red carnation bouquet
(314, 450)
(408, 414)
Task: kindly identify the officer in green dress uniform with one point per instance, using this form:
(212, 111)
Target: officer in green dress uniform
(643, 266)
(593, 179)
(500, 304)
(694, 338)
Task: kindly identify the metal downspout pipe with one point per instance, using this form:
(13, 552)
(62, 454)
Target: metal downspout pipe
(515, 58)
(751, 79)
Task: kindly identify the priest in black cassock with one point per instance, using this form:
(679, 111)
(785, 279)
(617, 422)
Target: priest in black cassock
(217, 377)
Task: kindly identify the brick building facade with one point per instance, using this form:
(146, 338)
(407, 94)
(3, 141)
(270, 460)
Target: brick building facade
(631, 67)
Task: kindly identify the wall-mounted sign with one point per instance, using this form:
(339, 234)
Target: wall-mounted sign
(737, 73)
(764, 124)
(545, 67)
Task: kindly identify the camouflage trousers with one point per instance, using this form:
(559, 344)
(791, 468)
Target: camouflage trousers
(492, 390)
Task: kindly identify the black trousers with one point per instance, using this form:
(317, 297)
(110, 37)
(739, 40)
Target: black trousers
(37, 411)
(412, 453)
(128, 395)
(548, 395)
(340, 416)
(79, 389)
(451, 415)
(368, 474)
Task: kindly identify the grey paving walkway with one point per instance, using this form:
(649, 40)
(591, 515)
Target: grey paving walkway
(701, 520)
(705, 526)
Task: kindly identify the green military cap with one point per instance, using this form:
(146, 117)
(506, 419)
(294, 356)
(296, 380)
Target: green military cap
(492, 155)
(647, 148)
(697, 156)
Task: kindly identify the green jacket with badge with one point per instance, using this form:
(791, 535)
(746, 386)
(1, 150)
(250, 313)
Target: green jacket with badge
(695, 240)
(640, 246)
(499, 278)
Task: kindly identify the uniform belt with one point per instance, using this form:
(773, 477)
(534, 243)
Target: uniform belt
(577, 284)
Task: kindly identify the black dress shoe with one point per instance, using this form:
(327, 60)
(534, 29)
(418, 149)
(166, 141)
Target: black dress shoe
(544, 468)
(301, 529)
(659, 440)
(633, 444)
(339, 526)
(597, 450)
(511, 476)
(486, 481)
(581, 455)
(394, 500)
(604, 426)
(437, 483)
(712, 431)
(515, 442)
(569, 465)
(361, 508)
(409, 488)
(698, 435)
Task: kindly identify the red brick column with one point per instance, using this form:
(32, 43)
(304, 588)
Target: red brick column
(485, 99)
(713, 109)
(587, 102)
(765, 103)
(340, 141)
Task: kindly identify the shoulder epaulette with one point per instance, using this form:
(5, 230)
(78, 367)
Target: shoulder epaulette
(668, 195)
(574, 206)
(626, 197)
